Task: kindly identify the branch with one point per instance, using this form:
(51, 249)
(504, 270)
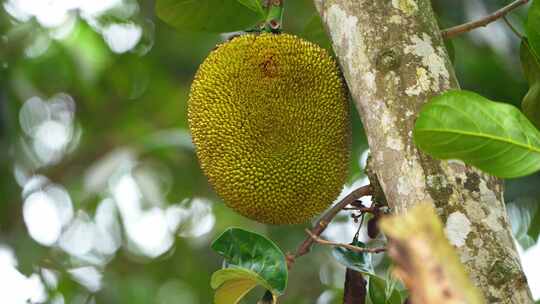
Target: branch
(322, 241)
(374, 209)
(323, 222)
(469, 26)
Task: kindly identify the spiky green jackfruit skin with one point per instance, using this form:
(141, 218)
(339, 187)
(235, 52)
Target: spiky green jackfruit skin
(270, 121)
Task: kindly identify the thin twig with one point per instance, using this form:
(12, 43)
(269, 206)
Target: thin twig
(466, 27)
(322, 241)
(514, 30)
(322, 223)
(374, 209)
(363, 209)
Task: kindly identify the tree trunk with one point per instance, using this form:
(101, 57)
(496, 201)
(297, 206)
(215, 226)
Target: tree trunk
(393, 59)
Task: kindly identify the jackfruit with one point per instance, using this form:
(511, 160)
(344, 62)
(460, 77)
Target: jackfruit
(269, 117)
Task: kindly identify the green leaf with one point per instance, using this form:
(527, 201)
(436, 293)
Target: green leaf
(245, 249)
(494, 137)
(360, 262)
(215, 16)
(533, 27)
(380, 292)
(233, 284)
(254, 5)
(531, 68)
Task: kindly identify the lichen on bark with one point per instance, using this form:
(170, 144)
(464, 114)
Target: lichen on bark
(393, 59)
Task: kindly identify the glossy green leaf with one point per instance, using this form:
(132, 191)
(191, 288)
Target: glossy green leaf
(215, 16)
(494, 137)
(360, 262)
(245, 249)
(254, 5)
(533, 26)
(531, 68)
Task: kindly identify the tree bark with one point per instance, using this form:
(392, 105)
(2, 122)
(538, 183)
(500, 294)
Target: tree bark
(393, 59)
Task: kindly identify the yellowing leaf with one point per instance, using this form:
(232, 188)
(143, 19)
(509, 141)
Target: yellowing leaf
(232, 284)
(254, 252)
(231, 292)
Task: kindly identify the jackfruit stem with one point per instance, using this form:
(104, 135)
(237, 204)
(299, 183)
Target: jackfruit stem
(274, 16)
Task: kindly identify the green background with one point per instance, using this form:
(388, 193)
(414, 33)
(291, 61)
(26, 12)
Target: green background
(123, 109)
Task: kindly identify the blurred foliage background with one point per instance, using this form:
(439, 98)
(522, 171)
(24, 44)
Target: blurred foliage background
(101, 196)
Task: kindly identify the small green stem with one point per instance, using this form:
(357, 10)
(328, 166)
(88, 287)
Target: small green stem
(274, 17)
